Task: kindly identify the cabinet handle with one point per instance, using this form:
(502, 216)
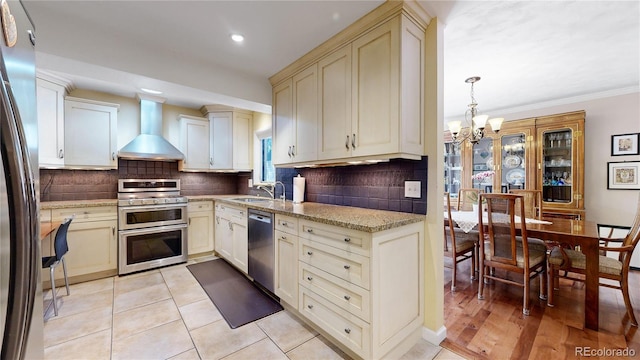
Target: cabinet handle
(310, 306)
(113, 156)
(347, 297)
(113, 230)
(284, 223)
(347, 267)
(231, 226)
(309, 253)
(189, 221)
(293, 150)
(218, 220)
(309, 230)
(289, 152)
(60, 154)
(353, 141)
(283, 237)
(309, 278)
(210, 161)
(347, 330)
(346, 144)
(347, 239)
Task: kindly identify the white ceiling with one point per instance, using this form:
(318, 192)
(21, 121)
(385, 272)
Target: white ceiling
(527, 52)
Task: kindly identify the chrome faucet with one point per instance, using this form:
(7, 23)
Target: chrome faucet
(271, 189)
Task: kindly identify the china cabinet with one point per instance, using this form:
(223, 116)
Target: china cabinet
(544, 153)
(452, 168)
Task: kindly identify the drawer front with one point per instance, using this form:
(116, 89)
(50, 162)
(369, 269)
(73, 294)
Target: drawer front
(341, 238)
(346, 328)
(86, 213)
(353, 268)
(200, 206)
(287, 224)
(341, 293)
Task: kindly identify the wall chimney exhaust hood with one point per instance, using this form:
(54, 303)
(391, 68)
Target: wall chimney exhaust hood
(150, 145)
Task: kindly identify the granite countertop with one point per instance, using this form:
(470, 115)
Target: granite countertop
(47, 205)
(355, 218)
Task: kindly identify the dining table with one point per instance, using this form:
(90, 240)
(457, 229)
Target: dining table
(579, 234)
(47, 227)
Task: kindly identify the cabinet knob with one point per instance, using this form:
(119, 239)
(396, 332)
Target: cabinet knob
(347, 267)
(113, 156)
(309, 278)
(283, 237)
(310, 306)
(347, 297)
(60, 154)
(309, 253)
(309, 230)
(347, 239)
(347, 330)
(284, 223)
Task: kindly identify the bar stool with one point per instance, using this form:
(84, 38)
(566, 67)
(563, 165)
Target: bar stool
(61, 248)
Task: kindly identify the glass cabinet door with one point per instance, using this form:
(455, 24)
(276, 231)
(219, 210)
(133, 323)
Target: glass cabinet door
(557, 165)
(513, 173)
(452, 168)
(482, 165)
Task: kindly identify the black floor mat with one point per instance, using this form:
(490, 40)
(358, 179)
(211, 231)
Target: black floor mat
(236, 297)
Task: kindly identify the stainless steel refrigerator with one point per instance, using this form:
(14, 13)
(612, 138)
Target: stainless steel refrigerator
(21, 318)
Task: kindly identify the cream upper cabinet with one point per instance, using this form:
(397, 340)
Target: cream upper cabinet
(229, 138)
(242, 140)
(334, 105)
(296, 118)
(50, 102)
(90, 133)
(194, 143)
(221, 126)
(387, 90)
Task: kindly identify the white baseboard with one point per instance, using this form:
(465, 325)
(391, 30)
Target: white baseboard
(434, 337)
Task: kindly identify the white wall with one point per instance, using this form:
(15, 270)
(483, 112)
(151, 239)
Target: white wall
(604, 117)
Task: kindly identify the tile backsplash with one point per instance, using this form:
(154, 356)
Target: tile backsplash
(376, 186)
(61, 185)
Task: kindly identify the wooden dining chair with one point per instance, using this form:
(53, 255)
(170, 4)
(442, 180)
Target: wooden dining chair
(532, 202)
(458, 245)
(504, 250)
(574, 262)
(466, 198)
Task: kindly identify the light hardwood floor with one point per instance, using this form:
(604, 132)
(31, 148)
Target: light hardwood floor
(495, 328)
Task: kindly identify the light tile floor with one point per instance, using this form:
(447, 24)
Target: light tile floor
(165, 314)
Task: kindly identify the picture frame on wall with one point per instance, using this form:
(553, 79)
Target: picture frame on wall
(623, 175)
(625, 144)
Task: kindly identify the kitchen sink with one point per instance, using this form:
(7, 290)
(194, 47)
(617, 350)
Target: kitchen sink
(250, 199)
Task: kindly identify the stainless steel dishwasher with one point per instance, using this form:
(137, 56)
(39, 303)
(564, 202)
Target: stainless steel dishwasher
(261, 249)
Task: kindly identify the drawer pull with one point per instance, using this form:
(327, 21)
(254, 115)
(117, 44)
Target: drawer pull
(283, 237)
(347, 330)
(284, 223)
(309, 278)
(310, 306)
(347, 297)
(347, 239)
(347, 267)
(309, 253)
(309, 230)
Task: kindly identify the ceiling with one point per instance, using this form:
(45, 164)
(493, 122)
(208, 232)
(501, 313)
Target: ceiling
(527, 52)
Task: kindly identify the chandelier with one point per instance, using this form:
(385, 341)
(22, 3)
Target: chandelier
(477, 123)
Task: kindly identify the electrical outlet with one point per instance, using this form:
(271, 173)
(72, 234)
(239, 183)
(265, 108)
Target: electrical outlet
(250, 183)
(412, 189)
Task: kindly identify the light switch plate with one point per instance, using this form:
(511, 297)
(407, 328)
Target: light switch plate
(412, 189)
(250, 183)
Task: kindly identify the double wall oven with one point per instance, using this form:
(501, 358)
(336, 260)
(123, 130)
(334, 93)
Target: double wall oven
(152, 224)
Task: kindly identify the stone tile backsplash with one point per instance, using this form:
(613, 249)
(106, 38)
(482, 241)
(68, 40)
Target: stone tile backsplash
(376, 186)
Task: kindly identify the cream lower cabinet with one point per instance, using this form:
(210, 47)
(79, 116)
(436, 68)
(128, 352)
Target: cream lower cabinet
(286, 258)
(232, 235)
(364, 290)
(92, 238)
(200, 230)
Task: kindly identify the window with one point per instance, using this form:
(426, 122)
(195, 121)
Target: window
(268, 173)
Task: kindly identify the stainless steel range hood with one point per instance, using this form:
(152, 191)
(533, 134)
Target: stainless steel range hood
(150, 145)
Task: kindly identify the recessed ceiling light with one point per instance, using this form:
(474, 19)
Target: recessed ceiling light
(151, 91)
(237, 38)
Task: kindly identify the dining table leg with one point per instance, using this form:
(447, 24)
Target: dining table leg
(592, 280)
